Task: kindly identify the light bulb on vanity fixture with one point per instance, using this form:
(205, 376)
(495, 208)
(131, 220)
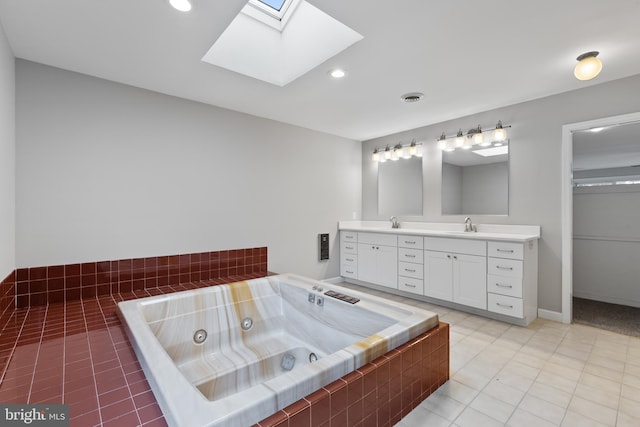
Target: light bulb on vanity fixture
(459, 141)
(387, 154)
(499, 134)
(478, 137)
(442, 142)
(588, 66)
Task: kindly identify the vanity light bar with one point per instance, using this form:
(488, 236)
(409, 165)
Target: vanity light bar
(398, 151)
(475, 136)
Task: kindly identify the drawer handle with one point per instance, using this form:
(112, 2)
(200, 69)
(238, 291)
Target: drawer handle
(409, 242)
(408, 270)
(504, 305)
(504, 268)
(409, 286)
(349, 259)
(348, 237)
(504, 286)
(350, 272)
(409, 256)
(506, 251)
(348, 247)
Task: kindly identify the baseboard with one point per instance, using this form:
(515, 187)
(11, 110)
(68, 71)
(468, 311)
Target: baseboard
(603, 298)
(550, 315)
(334, 280)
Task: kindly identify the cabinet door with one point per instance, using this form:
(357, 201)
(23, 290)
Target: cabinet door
(387, 263)
(367, 256)
(438, 275)
(470, 280)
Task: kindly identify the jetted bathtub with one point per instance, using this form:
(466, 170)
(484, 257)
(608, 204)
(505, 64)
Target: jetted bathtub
(231, 355)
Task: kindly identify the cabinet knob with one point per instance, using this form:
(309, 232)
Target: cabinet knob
(449, 256)
(455, 257)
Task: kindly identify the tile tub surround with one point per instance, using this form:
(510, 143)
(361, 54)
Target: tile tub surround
(58, 283)
(77, 353)
(234, 378)
(8, 293)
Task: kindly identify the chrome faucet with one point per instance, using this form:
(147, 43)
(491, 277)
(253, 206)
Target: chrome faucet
(468, 225)
(394, 222)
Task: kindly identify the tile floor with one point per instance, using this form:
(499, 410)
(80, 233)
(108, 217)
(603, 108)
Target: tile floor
(549, 374)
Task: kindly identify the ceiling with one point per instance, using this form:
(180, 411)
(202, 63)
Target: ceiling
(611, 147)
(466, 56)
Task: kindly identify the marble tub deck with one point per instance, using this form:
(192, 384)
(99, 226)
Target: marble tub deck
(245, 364)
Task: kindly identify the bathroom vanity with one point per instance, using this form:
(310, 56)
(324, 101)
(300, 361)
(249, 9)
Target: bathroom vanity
(491, 272)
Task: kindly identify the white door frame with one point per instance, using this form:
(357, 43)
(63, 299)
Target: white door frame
(567, 201)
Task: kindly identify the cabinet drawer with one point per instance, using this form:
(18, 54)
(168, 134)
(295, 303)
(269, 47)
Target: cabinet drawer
(378, 239)
(505, 267)
(505, 305)
(348, 248)
(349, 236)
(461, 246)
(412, 242)
(349, 270)
(410, 255)
(505, 285)
(351, 259)
(408, 269)
(506, 250)
(407, 284)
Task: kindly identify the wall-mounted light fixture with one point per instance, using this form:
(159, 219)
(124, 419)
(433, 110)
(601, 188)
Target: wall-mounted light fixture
(588, 66)
(475, 136)
(397, 152)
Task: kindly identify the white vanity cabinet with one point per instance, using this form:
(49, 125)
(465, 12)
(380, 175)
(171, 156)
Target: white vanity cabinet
(410, 264)
(378, 259)
(456, 270)
(349, 254)
(492, 273)
(512, 279)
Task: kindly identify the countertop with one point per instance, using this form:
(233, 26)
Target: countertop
(513, 233)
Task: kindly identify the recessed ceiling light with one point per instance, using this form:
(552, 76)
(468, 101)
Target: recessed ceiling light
(181, 5)
(412, 97)
(337, 73)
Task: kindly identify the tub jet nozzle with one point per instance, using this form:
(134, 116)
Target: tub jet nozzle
(288, 361)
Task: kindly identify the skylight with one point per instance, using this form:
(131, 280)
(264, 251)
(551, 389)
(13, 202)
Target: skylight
(277, 5)
(278, 51)
(493, 151)
(273, 9)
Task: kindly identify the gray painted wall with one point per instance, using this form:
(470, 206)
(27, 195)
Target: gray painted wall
(108, 171)
(7, 158)
(451, 188)
(535, 158)
(606, 244)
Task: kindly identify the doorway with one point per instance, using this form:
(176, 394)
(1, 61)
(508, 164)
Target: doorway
(569, 135)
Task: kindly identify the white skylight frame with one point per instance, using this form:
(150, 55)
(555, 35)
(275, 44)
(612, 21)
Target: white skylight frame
(257, 45)
(270, 16)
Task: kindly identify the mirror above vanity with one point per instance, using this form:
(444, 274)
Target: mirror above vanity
(475, 172)
(399, 179)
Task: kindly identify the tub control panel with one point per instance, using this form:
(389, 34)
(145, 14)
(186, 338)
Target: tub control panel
(342, 297)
